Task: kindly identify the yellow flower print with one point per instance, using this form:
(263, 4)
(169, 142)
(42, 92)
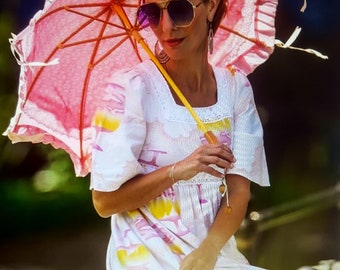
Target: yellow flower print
(177, 208)
(106, 121)
(231, 69)
(176, 249)
(219, 125)
(161, 208)
(133, 213)
(139, 254)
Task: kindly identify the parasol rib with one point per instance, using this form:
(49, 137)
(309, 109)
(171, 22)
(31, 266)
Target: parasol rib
(86, 82)
(86, 33)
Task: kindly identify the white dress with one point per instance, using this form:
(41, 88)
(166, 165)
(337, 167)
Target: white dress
(140, 128)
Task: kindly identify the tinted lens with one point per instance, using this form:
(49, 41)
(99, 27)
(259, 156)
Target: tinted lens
(181, 12)
(149, 14)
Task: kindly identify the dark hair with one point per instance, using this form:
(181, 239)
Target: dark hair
(220, 13)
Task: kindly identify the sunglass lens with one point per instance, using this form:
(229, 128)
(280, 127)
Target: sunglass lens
(149, 14)
(181, 12)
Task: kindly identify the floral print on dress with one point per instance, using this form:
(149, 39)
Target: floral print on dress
(148, 131)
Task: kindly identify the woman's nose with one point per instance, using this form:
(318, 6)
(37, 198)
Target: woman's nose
(166, 22)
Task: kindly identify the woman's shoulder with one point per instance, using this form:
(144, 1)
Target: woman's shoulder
(142, 69)
(232, 82)
(231, 73)
(137, 78)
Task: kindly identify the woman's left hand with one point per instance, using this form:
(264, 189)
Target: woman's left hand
(200, 259)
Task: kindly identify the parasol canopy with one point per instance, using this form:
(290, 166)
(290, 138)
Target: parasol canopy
(71, 47)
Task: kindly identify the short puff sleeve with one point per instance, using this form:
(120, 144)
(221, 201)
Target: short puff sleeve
(248, 146)
(120, 132)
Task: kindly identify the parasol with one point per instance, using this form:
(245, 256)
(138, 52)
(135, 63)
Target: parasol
(71, 47)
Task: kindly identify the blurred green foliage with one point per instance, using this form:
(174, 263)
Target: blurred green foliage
(38, 189)
(50, 199)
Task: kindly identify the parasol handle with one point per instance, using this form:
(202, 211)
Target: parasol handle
(210, 137)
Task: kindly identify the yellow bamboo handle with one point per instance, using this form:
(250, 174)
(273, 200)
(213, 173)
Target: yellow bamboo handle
(210, 137)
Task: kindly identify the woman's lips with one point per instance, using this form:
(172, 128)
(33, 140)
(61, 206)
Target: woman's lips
(174, 42)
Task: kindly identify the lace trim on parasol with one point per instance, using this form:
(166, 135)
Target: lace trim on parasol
(293, 37)
(20, 58)
(290, 41)
(304, 6)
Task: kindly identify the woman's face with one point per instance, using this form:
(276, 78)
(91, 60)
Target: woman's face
(181, 43)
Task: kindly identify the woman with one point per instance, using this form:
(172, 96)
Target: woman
(153, 171)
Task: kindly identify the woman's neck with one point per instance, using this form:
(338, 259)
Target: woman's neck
(195, 74)
(195, 80)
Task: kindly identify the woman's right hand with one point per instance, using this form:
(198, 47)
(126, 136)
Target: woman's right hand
(142, 188)
(201, 159)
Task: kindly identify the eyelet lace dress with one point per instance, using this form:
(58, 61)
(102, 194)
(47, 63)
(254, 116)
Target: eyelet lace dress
(140, 128)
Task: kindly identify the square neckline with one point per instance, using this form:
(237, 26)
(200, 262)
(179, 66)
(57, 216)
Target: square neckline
(170, 96)
(179, 113)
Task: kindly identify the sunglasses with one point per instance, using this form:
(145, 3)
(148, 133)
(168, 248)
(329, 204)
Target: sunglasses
(181, 13)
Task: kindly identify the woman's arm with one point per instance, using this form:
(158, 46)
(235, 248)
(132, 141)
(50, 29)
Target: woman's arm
(132, 194)
(224, 226)
(141, 189)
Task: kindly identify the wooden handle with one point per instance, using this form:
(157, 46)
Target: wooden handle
(211, 138)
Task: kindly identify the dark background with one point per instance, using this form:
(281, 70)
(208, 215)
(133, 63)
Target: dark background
(46, 216)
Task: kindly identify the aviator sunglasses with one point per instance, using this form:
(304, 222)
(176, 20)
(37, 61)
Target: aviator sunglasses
(181, 13)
